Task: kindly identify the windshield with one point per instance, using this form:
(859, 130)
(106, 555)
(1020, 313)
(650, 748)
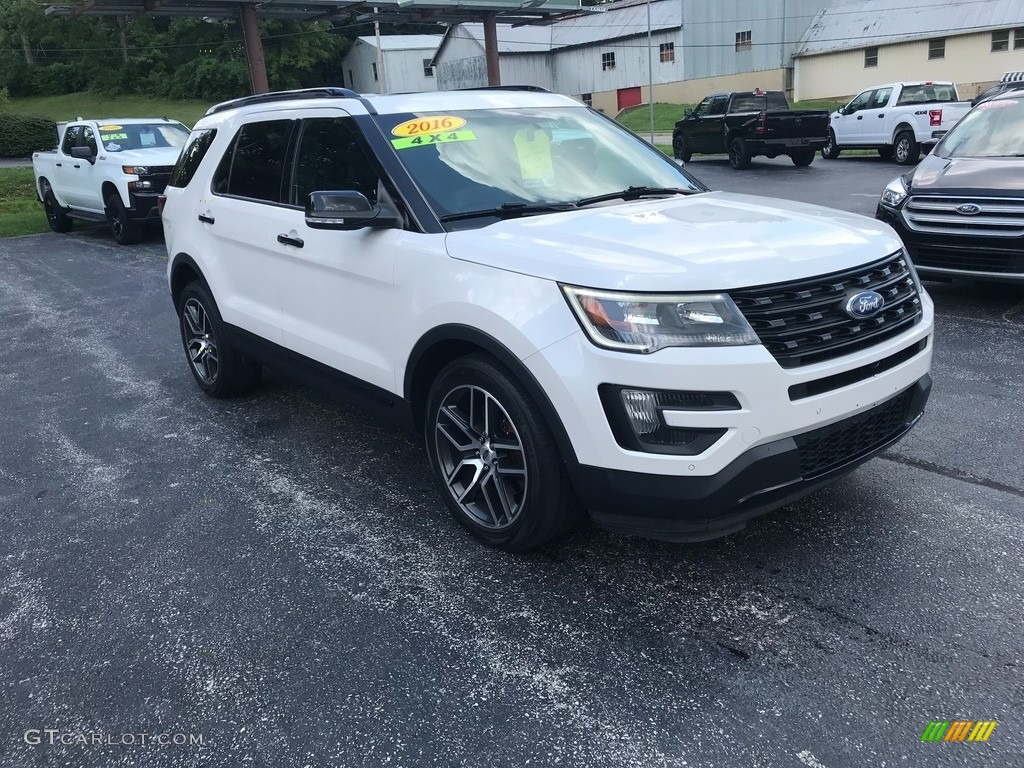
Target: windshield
(991, 129)
(472, 160)
(118, 138)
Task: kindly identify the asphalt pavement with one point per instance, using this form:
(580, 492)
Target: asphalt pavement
(276, 575)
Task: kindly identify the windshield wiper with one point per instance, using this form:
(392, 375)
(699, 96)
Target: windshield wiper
(510, 211)
(635, 193)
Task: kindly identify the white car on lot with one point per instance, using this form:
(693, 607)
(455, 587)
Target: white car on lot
(570, 321)
(897, 119)
(108, 170)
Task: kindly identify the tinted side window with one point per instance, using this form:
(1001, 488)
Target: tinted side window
(223, 173)
(330, 157)
(191, 156)
(71, 135)
(259, 160)
(719, 104)
(88, 139)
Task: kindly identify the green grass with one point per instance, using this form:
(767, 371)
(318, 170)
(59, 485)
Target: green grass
(20, 212)
(94, 105)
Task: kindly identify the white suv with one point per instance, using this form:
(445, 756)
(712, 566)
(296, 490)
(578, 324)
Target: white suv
(570, 321)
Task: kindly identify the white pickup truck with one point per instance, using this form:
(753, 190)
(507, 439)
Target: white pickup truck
(897, 119)
(108, 170)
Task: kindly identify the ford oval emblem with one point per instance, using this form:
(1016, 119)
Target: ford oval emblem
(969, 209)
(865, 304)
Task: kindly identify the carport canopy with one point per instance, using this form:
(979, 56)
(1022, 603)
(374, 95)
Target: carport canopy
(410, 11)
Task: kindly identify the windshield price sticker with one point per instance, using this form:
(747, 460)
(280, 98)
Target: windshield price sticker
(423, 126)
(113, 136)
(110, 128)
(433, 138)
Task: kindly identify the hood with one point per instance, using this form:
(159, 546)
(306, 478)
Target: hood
(997, 176)
(710, 241)
(156, 156)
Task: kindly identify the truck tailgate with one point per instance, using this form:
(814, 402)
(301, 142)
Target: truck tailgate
(796, 124)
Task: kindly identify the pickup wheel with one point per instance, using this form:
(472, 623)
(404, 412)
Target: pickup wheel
(831, 150)
(802, 158)
(739, 157)
(125, 231)
(56, 216)
(495, 459)
(905, 149)
(679, 149)
(219, 369)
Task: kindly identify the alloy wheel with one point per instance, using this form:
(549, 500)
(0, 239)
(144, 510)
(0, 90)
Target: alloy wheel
(481, 457)
(200, 343)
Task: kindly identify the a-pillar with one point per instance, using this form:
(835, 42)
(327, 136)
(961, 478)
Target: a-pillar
(254, 49)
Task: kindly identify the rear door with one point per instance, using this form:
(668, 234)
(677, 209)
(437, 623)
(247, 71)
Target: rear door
(875, 125)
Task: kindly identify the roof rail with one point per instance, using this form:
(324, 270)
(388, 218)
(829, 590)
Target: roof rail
(302, 93)
(534, 88)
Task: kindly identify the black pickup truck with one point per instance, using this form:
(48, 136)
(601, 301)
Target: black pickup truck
(747, 124)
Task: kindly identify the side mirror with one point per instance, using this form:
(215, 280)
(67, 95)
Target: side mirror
(348, 209)
(83, 153)
(687, 113)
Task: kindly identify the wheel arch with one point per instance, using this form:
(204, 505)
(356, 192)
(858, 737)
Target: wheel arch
(109, 188)
(440, 345)
(903, 126)
(183, 271)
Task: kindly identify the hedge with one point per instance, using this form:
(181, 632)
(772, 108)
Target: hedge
(21, 135)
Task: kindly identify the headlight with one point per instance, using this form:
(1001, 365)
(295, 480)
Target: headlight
(135, 170)
(640, 322)
(894, 193)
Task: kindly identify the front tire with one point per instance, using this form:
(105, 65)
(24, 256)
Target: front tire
(124, 230)
(218, 368)
(56, 216)
(905, 149)
(803, 158)
(831, 150)
(495, 459)
(679, 149)
(739, 157)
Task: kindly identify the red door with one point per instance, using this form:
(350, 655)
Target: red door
(629, 97)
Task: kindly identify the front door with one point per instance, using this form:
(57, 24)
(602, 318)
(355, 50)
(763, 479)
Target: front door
(849, 127)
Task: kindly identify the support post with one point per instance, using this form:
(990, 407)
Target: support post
(491, 48)
(254, 49)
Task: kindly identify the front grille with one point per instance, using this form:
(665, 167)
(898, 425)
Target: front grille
(986, 259)
(833, 446)
(805, 321)
(998, 217)
(158, 175)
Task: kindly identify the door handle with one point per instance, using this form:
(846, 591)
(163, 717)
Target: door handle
(58, 165)
(205, 219)
(296, 241)
(860, 117)
(882, 115)
(77, 165)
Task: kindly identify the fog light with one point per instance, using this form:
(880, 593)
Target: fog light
(642, 410)
(635, 416)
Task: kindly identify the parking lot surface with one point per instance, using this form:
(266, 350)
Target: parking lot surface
(278, 574)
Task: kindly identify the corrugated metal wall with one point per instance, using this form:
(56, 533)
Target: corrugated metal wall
(403, 70)
(579, 70)
(969, 62)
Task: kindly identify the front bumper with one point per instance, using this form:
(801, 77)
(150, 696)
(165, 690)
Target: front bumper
(143, 206)
(959, 254)
(772, 475)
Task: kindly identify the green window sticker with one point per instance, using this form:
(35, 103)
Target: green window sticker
(434, 138)
(113, 136)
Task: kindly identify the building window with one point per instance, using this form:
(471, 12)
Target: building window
(743, 41)
(374, 65)
(588, 99)
(870, 57)
(667, 51)
(1018, 38)
(428, 71)
(937, 48)
(1001, 40)
(608, 60)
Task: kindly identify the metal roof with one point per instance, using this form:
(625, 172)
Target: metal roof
(597, 24)
(403, 42)
(883, 22)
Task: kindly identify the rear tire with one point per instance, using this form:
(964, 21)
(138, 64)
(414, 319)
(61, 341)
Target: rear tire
(218, 368)
(124, 230)
(679, 149)
(495, 459)
(831, 150)
(905, 149)
(803, 158)
(739, 157)
(56, 216)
